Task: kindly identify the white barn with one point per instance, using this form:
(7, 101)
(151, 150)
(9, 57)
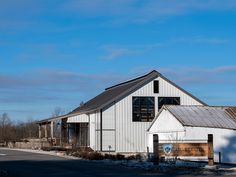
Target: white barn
(194, 123)
(118, 118)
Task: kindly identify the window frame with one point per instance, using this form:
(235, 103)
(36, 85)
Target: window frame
(142, 110)
(156, 86)
(159, 107)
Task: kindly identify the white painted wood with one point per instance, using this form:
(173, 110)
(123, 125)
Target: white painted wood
(108, 118)
(92, 131)
(82, 118)
(224, 141)
(166, 122)
(108, 140)
(131, 136)
(97, 131)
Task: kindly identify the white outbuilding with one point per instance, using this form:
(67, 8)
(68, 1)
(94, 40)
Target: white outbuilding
(193, 123)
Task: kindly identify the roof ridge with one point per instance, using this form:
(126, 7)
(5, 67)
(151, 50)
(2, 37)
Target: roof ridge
(131, 80)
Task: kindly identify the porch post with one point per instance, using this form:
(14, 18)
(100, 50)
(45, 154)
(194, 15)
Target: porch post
(46, 130)
(51, 129)
(40, 132)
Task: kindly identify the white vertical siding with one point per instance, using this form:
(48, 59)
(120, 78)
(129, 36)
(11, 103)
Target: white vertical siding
(108, 140)
(82, 118)
(108, 128)
(97, 131)
(92, 131)
(167, 89)
(108, 118)
(131, 136)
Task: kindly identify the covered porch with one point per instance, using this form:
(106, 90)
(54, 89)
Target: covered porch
(65, 131)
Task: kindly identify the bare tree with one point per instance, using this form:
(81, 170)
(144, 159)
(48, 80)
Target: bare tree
(5, 126)
(57, 112)
(57, 123)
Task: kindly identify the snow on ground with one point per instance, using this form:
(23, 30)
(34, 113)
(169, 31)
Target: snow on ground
(54, 153)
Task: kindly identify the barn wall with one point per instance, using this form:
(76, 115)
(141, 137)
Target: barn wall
(108, 128)
(131, 136)
(92, 131)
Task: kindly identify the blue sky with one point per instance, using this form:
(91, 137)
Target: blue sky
(58, 53)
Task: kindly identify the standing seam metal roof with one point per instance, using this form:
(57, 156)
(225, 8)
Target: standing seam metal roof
(116, 92)
(204, 116)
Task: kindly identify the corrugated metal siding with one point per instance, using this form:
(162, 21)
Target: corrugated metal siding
(131, 136)
(82, 118)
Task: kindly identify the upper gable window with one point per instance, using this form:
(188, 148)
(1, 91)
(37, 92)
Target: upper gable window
(143, 109)
(155, 86)
(168, 101)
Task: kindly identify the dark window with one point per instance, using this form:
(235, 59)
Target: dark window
(156, 86)
(168, 101)
(143, 109)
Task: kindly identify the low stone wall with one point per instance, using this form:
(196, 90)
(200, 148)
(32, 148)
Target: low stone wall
(30, 144)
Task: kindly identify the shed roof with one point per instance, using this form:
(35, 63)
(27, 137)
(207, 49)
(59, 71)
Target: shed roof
(204, 116)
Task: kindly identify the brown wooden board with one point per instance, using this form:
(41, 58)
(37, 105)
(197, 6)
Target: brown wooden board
(184, 149)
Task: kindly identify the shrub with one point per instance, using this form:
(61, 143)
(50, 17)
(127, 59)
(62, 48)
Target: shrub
(120, 156)
(95, 156)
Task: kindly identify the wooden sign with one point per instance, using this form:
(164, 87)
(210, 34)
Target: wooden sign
(183, 149)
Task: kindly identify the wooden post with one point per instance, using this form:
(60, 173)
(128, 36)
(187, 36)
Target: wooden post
(40, 132)
(156, 149)
(51, 129)
(210, 150)
(46, 130)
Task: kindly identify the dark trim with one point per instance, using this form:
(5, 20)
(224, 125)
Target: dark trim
(101, 129)
(108, 129)
(153, 71)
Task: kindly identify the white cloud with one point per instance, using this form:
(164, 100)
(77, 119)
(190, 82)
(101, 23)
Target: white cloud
(200, 40)
(117, 51)
(143, 11)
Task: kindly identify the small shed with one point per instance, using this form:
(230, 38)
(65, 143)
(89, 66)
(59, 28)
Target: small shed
(194, 123)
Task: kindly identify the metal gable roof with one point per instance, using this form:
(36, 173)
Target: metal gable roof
(204, 116)
(116, 92)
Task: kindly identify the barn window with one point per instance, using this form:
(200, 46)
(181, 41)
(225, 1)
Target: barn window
(168, 101)
(156, 86)
(143, 109)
